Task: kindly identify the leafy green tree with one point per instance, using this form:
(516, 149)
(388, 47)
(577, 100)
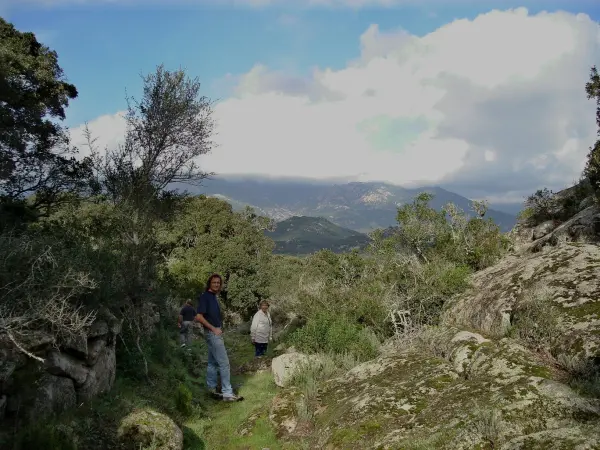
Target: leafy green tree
(208, 237)
(592, 168)
(35, 157)
(420, 224)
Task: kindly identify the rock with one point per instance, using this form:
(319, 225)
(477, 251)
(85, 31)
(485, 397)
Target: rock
(95, 347)
(2, 406)
(584, 226)
(411, 397)
(62, 364)
(586, 203)
(7, 368)
(284, 366)
(147, 428)
(283, 413)
(97, 329)
(543, 229)
(570, 277)
(54, 395)
(101, 376)
(78, 345)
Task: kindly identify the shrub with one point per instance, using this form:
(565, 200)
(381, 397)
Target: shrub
(330, 333)
(183, 400)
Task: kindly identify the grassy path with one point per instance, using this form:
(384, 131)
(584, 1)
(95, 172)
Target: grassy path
(242, 425)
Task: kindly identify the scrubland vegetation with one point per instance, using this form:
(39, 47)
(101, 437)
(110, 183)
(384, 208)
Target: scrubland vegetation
(83, 238)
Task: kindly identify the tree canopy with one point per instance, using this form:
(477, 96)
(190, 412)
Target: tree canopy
(35, 156)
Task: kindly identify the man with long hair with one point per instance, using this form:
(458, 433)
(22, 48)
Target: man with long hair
(209, 315)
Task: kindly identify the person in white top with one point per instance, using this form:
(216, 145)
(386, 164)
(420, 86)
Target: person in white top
(261, 330)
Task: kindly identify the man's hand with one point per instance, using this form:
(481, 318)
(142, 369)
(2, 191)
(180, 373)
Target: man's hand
(252, 340)
(178, 325)
(217, 331)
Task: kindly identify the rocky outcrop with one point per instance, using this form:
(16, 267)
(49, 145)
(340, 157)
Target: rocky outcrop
(81, 368)
(483, 394)
(149, 429)
(566, 278)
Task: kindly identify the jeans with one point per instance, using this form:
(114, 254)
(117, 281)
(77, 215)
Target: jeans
(185, 333)
(260, 349)
(218, 362)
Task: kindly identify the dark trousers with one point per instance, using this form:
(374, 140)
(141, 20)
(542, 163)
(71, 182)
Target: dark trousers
(260, 349)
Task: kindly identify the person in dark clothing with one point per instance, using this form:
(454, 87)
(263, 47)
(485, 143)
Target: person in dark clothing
(185, 322)
(209, 315)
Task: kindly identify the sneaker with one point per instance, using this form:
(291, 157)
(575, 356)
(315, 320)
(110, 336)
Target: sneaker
(182, 345)
(232, 398)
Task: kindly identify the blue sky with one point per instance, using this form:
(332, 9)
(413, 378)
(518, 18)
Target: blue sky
(103, 47)
(485, 98)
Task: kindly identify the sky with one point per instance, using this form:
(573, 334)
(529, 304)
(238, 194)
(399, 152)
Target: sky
(485, 98)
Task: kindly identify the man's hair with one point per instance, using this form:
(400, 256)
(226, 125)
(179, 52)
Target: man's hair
(264, 302)
(188, 302)
(213, 276)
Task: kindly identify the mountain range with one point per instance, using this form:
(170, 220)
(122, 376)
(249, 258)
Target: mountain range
(359, 206)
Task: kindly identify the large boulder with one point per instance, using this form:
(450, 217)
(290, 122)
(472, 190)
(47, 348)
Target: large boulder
(285, 366)
(499, 397)
(146, 428)
(570, 277)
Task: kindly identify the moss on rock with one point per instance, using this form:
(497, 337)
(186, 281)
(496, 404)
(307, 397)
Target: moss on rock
(411, 400)
(146, 428)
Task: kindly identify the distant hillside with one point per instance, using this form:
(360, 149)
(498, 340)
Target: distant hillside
(357, 206)
(303, 235)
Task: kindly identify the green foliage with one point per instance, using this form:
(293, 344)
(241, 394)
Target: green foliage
(183, 400)
(209, 237)
(540, 207)
(545, 205)
(334, 333)
(472, 241)
(592, 168)
(35, 157)
(349, 300)
(47, 436)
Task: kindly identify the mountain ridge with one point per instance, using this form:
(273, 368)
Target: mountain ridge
(359, 206)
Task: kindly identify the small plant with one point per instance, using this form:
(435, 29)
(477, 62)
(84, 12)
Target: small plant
(488, 426)
(535, 319)
(183, 400)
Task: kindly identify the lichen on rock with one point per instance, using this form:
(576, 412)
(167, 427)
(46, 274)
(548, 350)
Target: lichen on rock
(146, 428)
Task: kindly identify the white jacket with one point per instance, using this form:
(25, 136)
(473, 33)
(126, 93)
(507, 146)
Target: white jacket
(261, 330)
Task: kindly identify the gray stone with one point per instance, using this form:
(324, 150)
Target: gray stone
(62, 364)
(543, 229)
(54, 395)
(95, 347)
(285, 366)
(101, 376)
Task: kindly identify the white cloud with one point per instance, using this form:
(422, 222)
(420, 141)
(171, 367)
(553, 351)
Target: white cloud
(486, 106)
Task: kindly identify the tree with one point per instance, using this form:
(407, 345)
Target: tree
(592, 168)
(35, 156)
(167, 130)
(207, 237)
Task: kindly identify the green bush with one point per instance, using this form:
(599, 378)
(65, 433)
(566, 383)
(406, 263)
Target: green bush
(334, 333)
(183, 400)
